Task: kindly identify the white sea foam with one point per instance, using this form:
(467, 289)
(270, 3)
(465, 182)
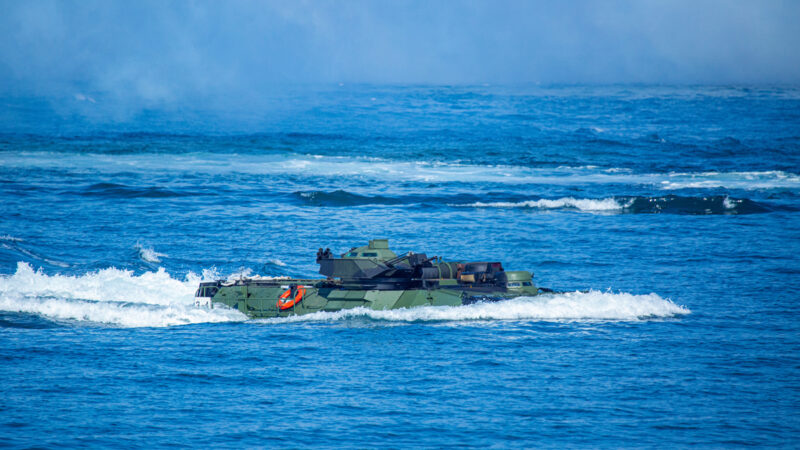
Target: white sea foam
(84, 98)
(147, 254)
(729, 203)
(111, 296)
(770, 179)
(582, 204)
(277, 262)
(572, 306)
(393, 170)
(9, 238)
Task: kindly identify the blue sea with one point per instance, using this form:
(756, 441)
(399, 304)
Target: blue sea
(668, 215)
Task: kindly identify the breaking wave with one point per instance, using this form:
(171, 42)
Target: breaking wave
(674, 204)
(147, 254)
(108, 296)
(582, 204)
(571, 306)
(669, 204)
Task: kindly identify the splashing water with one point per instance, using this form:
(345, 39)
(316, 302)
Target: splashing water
(571, 306)
(147, 254)
(109, 296)
(582, 204)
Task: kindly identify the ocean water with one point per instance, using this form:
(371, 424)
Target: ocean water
(670, 216)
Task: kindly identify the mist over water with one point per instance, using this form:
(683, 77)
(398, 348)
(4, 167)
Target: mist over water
(242, 57)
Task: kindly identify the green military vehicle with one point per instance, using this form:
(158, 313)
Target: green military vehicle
(372, 277)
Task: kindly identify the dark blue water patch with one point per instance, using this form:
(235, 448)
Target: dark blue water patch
(673, 204)
(653, 138)
(593, 136)
(729, 141)
(319, 136)
(783, 194)
(114, 190)
(669, 204)
(22, 320)
(343, 198)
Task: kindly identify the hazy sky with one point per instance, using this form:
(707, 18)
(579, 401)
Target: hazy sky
(160, 50)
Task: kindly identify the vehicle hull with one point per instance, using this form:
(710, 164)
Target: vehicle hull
(259, 299)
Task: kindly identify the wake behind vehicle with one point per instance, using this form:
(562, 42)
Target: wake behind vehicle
(371, 276)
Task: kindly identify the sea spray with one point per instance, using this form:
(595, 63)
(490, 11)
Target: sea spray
(110, 296)
(571, 306)
(147, 254)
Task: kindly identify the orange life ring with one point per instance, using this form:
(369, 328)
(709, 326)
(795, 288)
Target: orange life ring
(286, 304)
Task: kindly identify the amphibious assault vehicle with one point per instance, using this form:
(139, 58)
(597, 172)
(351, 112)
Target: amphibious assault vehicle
(373, 277)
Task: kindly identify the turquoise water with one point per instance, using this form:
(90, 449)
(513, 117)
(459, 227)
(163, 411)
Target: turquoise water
(675, 208)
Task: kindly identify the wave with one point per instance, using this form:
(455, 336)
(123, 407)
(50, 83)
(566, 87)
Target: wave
(673, 204)
(342, 198)
(114, 190)
(109, 296)
(582, 204)
(597, 135)
(572, 306)
(147, 254)
(273, 268)
(669, 204)
(18, 249)
(728, 141)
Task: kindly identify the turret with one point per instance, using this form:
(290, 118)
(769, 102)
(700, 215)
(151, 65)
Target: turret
(374, 266)
(375, 263)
